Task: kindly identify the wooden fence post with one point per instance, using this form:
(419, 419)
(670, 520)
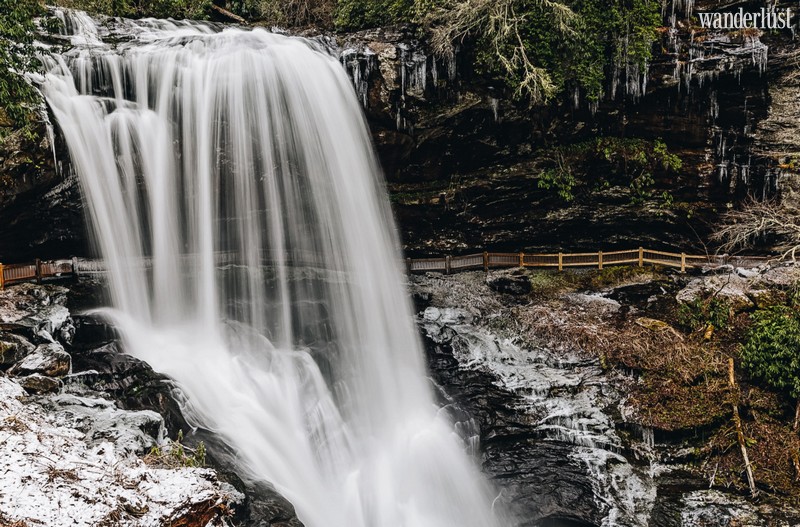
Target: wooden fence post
(641, 257)
(560, 261)
(447, 264)
(2, 281)
(74, 266)
(683, 262)
(38, 263)
(522, 260)
(486, 261)
(600, 260)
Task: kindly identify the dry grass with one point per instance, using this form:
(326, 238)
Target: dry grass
(772, 447)
(54, 473)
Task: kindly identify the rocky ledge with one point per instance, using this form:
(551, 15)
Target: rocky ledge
(598, 402)
(85, 431)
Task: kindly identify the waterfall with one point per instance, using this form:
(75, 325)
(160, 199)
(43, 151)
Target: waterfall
(232, 189)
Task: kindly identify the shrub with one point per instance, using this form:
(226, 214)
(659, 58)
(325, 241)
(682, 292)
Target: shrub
(359, 14)
(603, 162)
(771, 350)
(17, 56)
(702, 312)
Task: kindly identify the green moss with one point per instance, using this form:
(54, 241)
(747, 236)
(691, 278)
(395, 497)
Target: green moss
(548, 284)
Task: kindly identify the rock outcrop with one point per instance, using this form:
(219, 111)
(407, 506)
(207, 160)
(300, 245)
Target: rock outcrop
(78, 401)
(535, 382)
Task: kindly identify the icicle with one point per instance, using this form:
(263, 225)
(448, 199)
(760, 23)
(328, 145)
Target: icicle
(494, 103)
(451, 65)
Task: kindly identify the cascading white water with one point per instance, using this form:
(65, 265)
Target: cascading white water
(237, 164)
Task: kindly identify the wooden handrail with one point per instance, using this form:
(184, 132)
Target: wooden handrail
(599, 260)
(41, 270)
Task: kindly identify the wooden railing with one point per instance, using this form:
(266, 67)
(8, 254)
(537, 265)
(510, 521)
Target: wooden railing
(38, 270)
(41, 270)
(637, 257)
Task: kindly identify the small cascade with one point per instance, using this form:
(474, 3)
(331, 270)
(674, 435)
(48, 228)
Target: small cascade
(565, 396)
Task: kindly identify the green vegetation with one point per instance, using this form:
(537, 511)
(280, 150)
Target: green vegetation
(703, 312)
(609, 161)
(17, 56)
(178, 9)
(536, 48)
(358, 14)
(540, 48)
(771, 350)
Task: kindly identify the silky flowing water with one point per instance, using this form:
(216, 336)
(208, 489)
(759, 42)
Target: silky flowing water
(232, 190)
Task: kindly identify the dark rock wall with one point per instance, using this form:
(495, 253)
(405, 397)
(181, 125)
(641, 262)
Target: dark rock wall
(462, 157)
(40, 207)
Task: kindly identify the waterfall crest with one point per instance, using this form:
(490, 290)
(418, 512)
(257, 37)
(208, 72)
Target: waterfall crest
(232, 189)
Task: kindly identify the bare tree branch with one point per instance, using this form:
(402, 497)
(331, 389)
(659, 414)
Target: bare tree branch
(498, 20)
(759, 220)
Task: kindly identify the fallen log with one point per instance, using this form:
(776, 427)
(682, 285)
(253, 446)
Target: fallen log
(227, 14)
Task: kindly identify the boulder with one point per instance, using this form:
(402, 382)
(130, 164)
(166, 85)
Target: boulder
(101, 420)
(47, 359)
(13, 348)
(509, 284)
(39, 384)
(735, 289)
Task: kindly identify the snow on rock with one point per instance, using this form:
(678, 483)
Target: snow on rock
(56, 470)
(742, 288)
(731, 287)
(47, 359)
(131, 431)
(38, 310)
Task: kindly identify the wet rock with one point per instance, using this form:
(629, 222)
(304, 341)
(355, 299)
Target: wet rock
(36, 311)
(91, 332)
(47, 359)
(136, 386)
(509, 284)
(128, 380)
(13, 348)
(39, 384)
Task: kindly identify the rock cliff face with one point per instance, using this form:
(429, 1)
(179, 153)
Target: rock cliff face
(462, 157)
(70, 395)
(566, 432)
(40, 203)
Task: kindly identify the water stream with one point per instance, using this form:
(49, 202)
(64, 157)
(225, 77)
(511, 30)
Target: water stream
(237, 163)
